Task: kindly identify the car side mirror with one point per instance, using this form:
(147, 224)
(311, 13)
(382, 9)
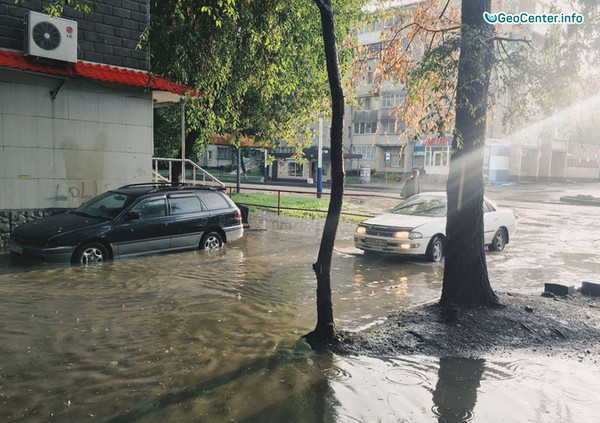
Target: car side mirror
(133, 216)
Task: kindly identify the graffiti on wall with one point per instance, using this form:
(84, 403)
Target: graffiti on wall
(80, 192)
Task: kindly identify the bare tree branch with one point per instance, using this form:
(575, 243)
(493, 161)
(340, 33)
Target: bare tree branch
(453, 28)
(511, 40)
(444, 10)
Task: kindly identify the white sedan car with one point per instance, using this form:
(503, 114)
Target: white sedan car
(417, 226)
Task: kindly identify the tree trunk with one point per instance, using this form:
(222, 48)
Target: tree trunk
(325, 328)
(466, 282)
(190, 141)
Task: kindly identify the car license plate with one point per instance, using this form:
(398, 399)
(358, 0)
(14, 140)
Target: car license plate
(376, 242)
(16, 249)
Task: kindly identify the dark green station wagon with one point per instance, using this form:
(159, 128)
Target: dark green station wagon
(133, 220)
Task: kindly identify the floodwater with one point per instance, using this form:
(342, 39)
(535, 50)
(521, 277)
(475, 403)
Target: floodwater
(214, 336)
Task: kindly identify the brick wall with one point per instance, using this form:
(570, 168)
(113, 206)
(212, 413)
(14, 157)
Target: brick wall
(108, 35)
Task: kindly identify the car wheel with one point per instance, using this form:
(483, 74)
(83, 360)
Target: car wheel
(91, 253)
(211, 241)
(499, 241)
(435, 250)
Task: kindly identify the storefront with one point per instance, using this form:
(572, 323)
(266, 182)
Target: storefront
(437, 155)
(287, 168)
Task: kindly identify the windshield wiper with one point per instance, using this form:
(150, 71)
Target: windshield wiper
(431, 208)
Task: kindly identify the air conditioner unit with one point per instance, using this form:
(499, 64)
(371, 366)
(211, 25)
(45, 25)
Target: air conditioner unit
(50, 38)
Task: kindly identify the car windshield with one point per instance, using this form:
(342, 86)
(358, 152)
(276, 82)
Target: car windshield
(105, 206)
(422, 205)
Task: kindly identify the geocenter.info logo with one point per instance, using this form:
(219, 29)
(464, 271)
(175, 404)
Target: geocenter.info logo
(529, 18)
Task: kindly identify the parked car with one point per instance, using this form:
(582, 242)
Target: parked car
(133, 220)
(417, 226)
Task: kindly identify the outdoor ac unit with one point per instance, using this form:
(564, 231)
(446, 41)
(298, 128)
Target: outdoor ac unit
(51, 38)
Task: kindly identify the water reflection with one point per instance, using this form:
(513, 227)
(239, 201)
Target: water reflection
(455, 393)
(452, 390)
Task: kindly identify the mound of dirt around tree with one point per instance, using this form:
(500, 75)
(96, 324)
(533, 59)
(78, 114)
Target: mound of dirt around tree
(569, 325)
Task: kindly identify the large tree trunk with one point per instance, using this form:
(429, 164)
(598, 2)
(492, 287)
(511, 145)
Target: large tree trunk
(466, 282)
(325, 327)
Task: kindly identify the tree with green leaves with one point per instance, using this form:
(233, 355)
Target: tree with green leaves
(256, 66)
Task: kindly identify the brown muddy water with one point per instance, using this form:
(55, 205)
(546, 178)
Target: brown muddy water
(213, 337)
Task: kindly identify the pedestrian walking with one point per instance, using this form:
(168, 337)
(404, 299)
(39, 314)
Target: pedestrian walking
(412, 186)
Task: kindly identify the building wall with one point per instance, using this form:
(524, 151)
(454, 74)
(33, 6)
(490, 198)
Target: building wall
(109, 35)
(60, 153)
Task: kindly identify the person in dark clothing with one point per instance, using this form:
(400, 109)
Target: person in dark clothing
(412, 186)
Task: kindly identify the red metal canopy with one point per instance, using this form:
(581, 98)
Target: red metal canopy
(106, 73)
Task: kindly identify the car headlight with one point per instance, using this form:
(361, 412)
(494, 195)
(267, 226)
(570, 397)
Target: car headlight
(416, 235)
(401, 235)
(361, 230)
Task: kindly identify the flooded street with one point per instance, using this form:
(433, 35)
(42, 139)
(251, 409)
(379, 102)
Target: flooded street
(213, 336)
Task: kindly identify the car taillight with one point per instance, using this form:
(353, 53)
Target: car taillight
(239, 215)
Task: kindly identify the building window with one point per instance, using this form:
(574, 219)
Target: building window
(437, 156)
(375, 26)
(286, 150)
(389, 22)
(374, 50)
(365, 127)
(367, 151)
(390, 101)
(364, 103)
(209, 154)
(294, 169)
(418, 161)
(224, 153)
(388, 126)
(397, 159)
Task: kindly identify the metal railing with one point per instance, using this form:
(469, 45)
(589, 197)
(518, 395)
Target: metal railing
(279, 207)
(199, 175)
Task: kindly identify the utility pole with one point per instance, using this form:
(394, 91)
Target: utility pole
(182, 141)
(239, 164)
(320, 160)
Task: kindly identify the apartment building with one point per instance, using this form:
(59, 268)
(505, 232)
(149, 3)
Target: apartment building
(547, 149)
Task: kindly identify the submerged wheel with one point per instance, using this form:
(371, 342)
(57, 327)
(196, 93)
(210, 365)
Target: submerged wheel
(499, 241)
(435, 250)
(91, 253)
(211, 241)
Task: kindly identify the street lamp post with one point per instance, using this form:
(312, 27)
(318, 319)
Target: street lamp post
(266, 173)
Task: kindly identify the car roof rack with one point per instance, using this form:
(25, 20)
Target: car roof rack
(155, 184)
(166, 186)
